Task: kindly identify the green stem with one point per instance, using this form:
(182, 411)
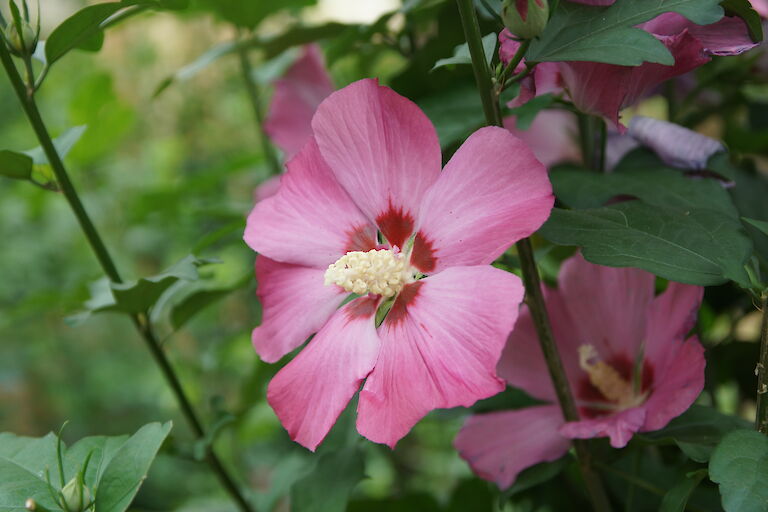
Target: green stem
(254, 96)
(512, 65)
(761, 418)
(141, 321)
(587, 140)
(534, 296)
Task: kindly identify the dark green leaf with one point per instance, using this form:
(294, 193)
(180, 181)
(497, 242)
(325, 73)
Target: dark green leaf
(192, 304)
(759, 224)
(328, 487)
(472, 494)
(128, 468)
(739, 465)
(697, 431)
(720, 163)
(461, 53)
(81, 30)
(455, 113)
(525, 114)
(580, 32)
(579, 188)
(536, 475)
(17, 166)
(701, 247)
(677, 497)
(299, 35)
(249, 13)
(743, 9)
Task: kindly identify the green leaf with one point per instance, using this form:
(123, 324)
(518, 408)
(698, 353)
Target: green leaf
(693, 246)
(677, 497)
(249, 13)
(455, 113)
(697, 431)
(759, 224)
(195, 67)
(128, 468)
(328, 487)
(720, 163)
(81, 30)
(17, 166)
(536, 475)
(743, 9)
(578, 188)
(192, 304)
(525, 114)
(63, 144)
(101, 450)
(461, 53)
(740, 466)
(579, 32)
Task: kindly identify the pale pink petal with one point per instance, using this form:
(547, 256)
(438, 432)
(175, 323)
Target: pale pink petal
(310, 392)
(670, 317)
(382, 149)
(608, 305)
(620, 427)
(604, 89)
(311, 220)
(522, 364)
(551, 136)
(492, 193)
(499, 445)
(761, 6)
(679, 384)
(440, 345)
(295, 304)
(729, 36)
(267, 189)
(674, 144)
(296, 97)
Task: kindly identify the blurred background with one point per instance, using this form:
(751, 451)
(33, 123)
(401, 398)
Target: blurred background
(172, 173)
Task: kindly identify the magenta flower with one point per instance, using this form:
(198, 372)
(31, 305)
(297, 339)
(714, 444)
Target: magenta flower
(605, 89)
(626, 356)
(373, 165)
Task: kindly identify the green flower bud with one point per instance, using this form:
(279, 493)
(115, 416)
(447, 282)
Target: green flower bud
(525, 18)
(14, 42)
(76, 496)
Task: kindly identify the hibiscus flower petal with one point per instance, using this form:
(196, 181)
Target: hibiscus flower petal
(729, 36)
(382, 149)
(492, 193)
(440, 345)
(267, 188)
(310, 392)
(295, 304)
(674, 144)
(609, 303)
(310, 220)
(552, 136)
(671, 316)
(499, 445)
(680, 383)
(620, 427)
(296, 97)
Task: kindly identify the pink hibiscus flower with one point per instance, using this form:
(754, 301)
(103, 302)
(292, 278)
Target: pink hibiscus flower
(626, 356)
(297, 95)
(373, 165)
(605, 89)
(552, 136)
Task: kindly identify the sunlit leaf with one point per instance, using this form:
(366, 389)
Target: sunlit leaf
(461, 53)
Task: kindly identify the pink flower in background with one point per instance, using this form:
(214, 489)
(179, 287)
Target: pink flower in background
(605, 89)
(373, 164)
(626, 356)
(552, 136)
(761, 6)
(297, 95)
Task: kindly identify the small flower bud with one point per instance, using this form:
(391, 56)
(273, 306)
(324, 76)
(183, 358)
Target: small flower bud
(21, 46)
(525, 18)
(30, 504)
(76, 496)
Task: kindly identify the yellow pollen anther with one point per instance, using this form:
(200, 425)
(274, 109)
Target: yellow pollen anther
(607, 380)
(379, 271)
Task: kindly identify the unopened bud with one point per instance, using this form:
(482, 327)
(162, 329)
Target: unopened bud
(30, 504)
(76, 496)
(526, 19)
(24, 45)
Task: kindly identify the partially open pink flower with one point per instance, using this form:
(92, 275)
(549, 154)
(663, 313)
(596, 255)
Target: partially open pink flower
(373, 166)
(626, 356)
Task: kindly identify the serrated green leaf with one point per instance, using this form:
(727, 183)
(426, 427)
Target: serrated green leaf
(578, 188)
(693, 246)
(697, 431)
(739, 465)
(17, 166)
(587, 33)
(677, 497)
(328, 486)
(128, 468)
(743, 9)
(461, 53)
